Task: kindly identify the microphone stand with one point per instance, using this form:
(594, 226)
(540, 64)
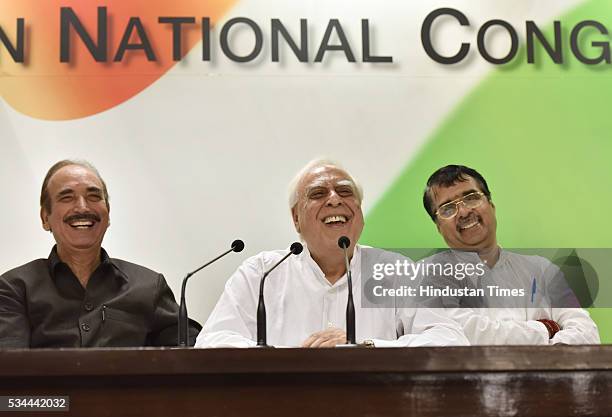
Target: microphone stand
(344, 243)
(237, 246)
(295, 249)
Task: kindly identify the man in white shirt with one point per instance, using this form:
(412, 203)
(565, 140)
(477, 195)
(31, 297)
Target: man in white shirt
(306, 295)
(459, 202)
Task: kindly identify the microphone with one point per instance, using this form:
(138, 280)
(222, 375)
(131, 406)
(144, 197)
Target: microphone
(295, 249)
(237, 246)
(344, 243)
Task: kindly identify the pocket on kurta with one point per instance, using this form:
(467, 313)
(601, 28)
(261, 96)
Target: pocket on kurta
(124, 329)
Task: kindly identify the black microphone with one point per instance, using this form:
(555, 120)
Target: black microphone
(295, 249)
(344, 242)
(237, 246)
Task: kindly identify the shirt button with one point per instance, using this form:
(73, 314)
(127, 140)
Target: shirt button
(88, 306)
(85, 327)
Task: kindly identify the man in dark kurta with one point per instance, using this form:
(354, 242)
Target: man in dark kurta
(79, 296)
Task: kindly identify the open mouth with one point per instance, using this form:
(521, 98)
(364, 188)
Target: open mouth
(336, 220)
(82, 222)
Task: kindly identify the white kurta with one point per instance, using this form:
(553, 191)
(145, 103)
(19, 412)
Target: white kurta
(301, 301)
(516, 324)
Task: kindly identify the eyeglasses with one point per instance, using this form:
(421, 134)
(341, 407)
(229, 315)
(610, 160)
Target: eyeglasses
(470, 201)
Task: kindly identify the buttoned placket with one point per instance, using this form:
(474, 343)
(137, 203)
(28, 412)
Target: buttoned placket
(333, 307)
(330, 307)
(91, 316)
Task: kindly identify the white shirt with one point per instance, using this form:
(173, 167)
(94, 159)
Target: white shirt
(516, 322)
(301, 301)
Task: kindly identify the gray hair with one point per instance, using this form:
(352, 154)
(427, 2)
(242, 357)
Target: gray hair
(45, 199)
(294, 185)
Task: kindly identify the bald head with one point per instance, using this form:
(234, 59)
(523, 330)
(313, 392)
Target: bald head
(312, 167)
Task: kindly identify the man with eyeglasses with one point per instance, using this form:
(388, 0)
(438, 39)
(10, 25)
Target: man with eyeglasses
(458, 200)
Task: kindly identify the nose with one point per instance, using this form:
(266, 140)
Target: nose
(334, 199)
(462, 209)
(81, 204)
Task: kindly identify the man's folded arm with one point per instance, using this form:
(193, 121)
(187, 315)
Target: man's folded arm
(577, 327)
(483, 330)
(425, 327)
(14, 322)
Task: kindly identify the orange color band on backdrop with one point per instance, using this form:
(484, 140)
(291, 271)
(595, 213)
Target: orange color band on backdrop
(45, 88)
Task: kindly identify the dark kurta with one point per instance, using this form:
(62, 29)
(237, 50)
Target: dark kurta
(43, 305)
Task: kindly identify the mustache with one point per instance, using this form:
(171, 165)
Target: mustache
(462, 221)
(82, 216)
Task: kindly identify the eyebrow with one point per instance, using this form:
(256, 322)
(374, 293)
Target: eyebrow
(324, 186)
(462, 195)
(314, 187)
(324, 183)
(346, 182)
(65, 191)
(68, 191)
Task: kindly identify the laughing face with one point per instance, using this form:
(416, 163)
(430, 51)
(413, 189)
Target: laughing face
(470, 229)
(328, 207)
(79, 214)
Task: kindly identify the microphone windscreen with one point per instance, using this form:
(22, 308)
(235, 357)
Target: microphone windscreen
(237, 245)
(344, 242)
(296, 248)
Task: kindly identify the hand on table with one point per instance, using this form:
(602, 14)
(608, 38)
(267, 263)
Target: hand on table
(326, 338)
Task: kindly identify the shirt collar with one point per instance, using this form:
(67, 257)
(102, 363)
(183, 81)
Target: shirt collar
(54, 262)
(473, 257)
(354, 264)
(466, 256)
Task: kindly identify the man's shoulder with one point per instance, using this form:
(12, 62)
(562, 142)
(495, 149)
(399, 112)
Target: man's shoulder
(255, 266)
(371, 254)
(132, 269)
(440, 256)
(30, 270)
(534, 261)
(267, 258)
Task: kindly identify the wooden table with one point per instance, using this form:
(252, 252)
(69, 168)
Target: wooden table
(462, 381)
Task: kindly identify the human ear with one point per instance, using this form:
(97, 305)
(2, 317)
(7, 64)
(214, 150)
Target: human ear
(44, 217)
(295, 218)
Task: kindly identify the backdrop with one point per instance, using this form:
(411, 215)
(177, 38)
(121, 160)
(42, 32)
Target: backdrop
(198, 149)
